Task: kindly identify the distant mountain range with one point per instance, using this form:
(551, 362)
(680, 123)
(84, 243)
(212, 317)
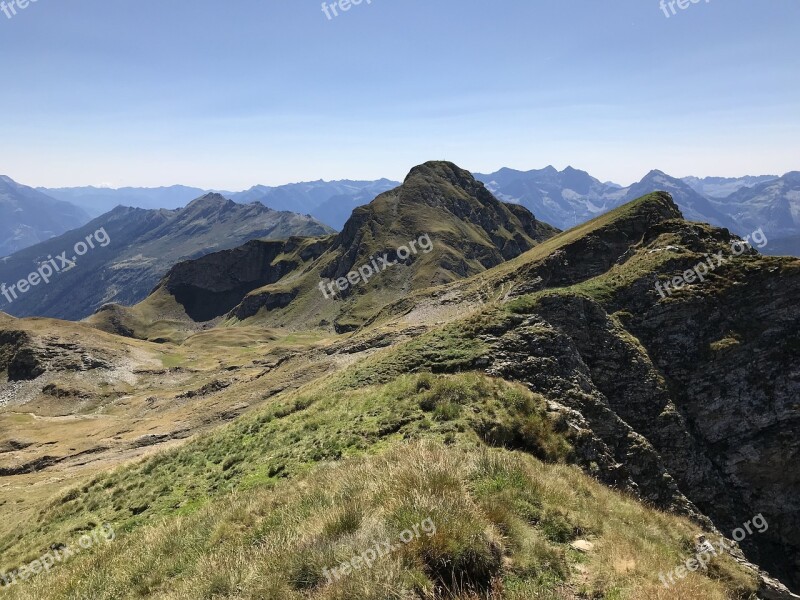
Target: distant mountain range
(562, 198)
(721, 187)
(328, 201)
(570, 197)
(331, 202)
(28, 217)
(773, 205)
(97, 200)
(143, 245)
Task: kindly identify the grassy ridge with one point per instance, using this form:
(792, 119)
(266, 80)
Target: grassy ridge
(504, 525)
(326, 422)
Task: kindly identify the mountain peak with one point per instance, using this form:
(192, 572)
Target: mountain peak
(211, 199)
(466, 231)
(792, 176)
(9, 183)
(442, 169)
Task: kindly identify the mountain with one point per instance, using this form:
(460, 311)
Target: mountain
(474, 232)
(97, 201)
(520, 413)
(562, 198)
(773, 206)
(28, 217)
(328, 201)
(720, 187)
(570, 197)
(694, 206)
(133, 249)
(785, 246)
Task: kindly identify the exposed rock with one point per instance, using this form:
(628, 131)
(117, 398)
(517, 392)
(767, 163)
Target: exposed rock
(584, 546)
(24, 365)
(213, 285)
(695, 395)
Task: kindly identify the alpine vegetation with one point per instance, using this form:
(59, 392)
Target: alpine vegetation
(701, 270)
(376, 265)
(57, 554)
(706, 551)
(379, 550)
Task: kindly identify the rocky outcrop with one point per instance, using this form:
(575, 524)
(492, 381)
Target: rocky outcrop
(544, 356)
(25, 357)
(695, 395)
(17, 357)
(731, 362)
(213, 285)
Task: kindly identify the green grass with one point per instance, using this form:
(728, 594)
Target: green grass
(490, 524)
(327, 422)
(172, 360)
(451, 349)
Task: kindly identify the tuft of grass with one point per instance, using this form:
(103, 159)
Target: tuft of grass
(729, 341)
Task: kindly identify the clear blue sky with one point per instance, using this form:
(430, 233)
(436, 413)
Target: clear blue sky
(226, 94)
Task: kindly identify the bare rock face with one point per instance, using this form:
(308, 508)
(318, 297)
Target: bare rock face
(26, 357)
(213, 285)
(695, 397)
(544, 356)
(25, 365)
(18, 357)
(732, 365)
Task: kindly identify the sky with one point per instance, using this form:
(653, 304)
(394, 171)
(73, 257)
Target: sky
(225, 95)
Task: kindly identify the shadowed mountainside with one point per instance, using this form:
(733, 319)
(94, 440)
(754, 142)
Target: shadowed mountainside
(142, 246)
(28, 217)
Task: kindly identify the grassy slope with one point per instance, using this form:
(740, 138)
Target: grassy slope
(490, 284)
(121, 408)
(323, 423)
(504, 520)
